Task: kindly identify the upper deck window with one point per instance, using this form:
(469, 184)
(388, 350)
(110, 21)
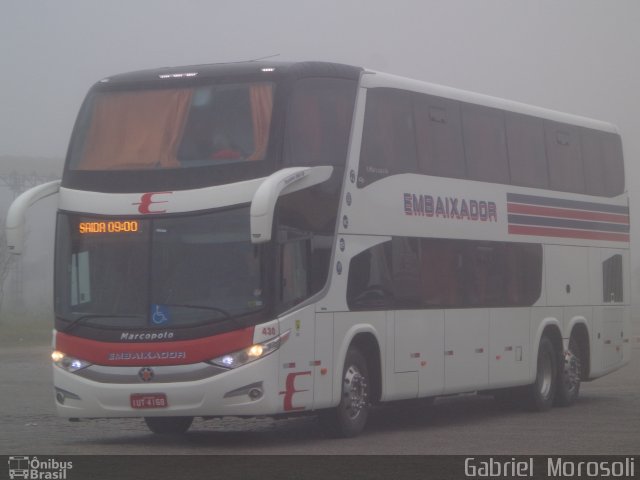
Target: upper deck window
(411, 132)
(388, 136)
(174, 128)
(319, 121)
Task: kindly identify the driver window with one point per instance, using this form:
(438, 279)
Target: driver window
(369, 285)
(294, 257)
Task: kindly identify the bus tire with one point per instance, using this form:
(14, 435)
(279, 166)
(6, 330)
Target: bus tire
(168, 425)
(569, 375)
(349, 418)
(542, 392)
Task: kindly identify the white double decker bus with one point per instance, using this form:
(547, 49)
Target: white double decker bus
(263, 239)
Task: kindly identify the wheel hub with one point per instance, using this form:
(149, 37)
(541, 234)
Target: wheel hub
(355, 391)
(572, 370)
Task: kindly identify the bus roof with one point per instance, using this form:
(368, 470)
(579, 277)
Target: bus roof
(221, 70)
(370, 79)
(373, 79)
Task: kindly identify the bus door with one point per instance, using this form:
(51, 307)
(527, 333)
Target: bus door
(297, 361)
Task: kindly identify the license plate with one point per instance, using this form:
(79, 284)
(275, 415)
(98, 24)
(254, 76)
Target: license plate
(149, 400)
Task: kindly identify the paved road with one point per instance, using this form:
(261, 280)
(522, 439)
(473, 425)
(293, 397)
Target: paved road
(605, 420)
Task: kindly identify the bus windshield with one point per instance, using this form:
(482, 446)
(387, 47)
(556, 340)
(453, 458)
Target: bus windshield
(173, 128)
(162, 272)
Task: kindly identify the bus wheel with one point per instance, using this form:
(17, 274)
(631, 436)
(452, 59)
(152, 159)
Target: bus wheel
(350, 416)
(542, 392)
(570, 375)
(167, 425)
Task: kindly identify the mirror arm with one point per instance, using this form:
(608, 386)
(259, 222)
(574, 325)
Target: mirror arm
(283, 181)
(16, 216)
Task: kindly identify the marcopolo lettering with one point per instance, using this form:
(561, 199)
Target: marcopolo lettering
(150, 336)
(450, 208)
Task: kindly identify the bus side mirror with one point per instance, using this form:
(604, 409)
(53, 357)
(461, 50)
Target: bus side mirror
(284, 181)
(16, 216)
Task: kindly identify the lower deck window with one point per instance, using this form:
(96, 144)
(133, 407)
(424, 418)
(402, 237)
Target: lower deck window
(442, 273)
(612, 279)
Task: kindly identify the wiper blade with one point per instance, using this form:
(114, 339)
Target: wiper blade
(90, 316)
(201, 307)
(225, 315)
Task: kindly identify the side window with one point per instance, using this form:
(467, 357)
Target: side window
(439, 137)
(80, 278)
(523, 264)
(527, 156)
(312, 212)
(294, 260)
(369, 285)
(411, 273)
(462, 273)
(612, 279)
(614, 164)
(603, 168)
(319, 122)
(441, 265)
(485, 143)
(405, 266)
(565, 159)
(388, 140)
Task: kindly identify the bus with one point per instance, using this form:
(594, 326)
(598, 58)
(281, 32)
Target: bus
(265, 239)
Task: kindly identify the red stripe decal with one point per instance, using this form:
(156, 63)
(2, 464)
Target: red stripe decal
(567, 213)
(568, 233)
(159, 353)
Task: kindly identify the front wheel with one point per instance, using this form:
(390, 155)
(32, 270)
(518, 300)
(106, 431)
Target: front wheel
(168, 425)
(543, 391)
(350, 416)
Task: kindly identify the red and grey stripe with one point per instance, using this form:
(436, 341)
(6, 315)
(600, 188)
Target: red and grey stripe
(556, 217)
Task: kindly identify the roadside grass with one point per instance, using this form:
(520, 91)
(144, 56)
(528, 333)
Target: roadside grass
(24, 330)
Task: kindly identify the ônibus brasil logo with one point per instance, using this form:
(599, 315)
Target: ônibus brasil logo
(36, 469)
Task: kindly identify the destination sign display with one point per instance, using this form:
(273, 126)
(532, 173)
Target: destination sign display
(109, 226)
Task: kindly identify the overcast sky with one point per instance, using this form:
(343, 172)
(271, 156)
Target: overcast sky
(578, 56)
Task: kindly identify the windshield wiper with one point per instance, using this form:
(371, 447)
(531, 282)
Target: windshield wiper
(201, 307)
(90, 316)
(226, 315)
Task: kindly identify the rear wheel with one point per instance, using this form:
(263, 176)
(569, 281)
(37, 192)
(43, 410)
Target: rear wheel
(168, 425)
(570, 374)
(350, 416)
(543, 391)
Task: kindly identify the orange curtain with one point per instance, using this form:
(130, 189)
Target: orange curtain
(136, 130)
(261, 107)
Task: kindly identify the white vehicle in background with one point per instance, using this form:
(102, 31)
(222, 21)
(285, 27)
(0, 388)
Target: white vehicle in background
(264, 239)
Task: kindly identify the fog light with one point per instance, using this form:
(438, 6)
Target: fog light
(255, 393)
(63, 395)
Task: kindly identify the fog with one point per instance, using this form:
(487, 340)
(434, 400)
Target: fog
(578, 56)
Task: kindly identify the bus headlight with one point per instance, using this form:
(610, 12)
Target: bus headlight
(254, 352)
(70, 364)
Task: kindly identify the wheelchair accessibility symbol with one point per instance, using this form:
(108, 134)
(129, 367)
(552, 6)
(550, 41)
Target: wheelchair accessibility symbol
(159, 314)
